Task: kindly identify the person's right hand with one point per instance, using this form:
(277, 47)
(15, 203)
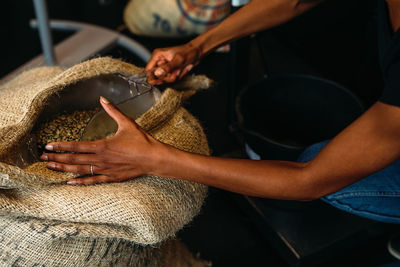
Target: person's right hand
(170, 64)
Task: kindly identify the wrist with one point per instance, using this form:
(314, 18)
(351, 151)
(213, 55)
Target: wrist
(163, 157)
(203, 44)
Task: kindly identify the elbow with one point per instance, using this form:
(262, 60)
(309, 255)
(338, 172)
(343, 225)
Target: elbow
(310, 186)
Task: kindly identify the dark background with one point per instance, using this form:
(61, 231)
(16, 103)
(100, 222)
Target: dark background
(336, 40)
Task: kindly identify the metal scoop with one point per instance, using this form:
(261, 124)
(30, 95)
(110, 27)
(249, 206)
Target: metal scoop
(102, 125)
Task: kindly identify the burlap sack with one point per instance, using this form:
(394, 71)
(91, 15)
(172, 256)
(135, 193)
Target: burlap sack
(174, 18)
(34, 242)
(145, 210)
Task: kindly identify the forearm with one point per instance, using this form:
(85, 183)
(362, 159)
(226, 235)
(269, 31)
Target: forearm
(257, 15)
(272, 179)
(368, 145)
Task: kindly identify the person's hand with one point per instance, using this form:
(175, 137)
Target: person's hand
(129, 153)
(170, 64)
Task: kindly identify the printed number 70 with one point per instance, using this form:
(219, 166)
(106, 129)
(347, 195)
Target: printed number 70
(160, 22)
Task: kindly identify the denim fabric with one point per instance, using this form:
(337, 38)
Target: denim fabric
(376, 197)
(393, 264)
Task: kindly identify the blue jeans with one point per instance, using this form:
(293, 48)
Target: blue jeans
(375, 197)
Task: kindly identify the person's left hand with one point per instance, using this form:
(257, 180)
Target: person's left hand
(131, 152)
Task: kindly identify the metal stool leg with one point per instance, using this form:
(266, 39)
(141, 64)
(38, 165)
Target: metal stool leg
(44, 31)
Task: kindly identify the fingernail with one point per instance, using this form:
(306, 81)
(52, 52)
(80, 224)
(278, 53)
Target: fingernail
(104, 100)
(72, 182)
(49, 147)
(159, 72)
(44, 157)
(51, 165)
(190, 67)
(178, 73)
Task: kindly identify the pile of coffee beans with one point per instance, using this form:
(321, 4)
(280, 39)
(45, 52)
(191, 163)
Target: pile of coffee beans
(63, 127)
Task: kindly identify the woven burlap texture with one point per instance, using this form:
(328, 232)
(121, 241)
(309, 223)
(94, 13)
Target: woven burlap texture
(144, 210)
(35, 242)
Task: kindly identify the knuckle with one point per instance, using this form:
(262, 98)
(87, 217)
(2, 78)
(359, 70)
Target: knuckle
(169, 79)
(81, 169)
(166, 68)
(97, 164)
(78, 181)
(102, 146)
(88, 181)
(72, 145)
(112, 106)
(100, 159)
(103, 169)
(105, 161)
(69, 158)
(97, 146)
(179, 58)
(56, 146)
(59, 167)
(103, 179)
(98, 169)
(120, 179)
(94, 160)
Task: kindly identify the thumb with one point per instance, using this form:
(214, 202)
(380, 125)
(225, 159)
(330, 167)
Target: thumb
(164, 69)
(119, 117)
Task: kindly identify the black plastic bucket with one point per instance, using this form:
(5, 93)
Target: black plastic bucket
(280, 116)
